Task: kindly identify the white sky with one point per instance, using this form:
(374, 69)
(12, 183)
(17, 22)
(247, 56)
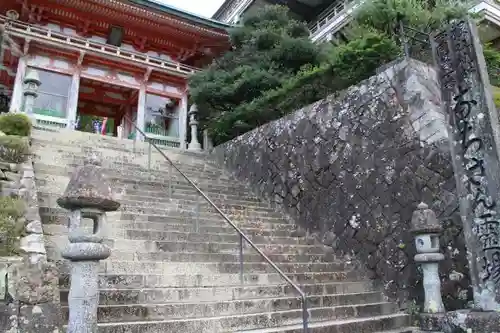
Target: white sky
(201, 7)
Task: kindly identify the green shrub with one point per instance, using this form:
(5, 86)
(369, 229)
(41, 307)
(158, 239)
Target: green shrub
(14, 149)
(11, 227)
(348, 64)
(496, 96)
(492, 57)
(15, 124)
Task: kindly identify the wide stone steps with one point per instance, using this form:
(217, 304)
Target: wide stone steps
(281, 306)
(242, 323)
(228, 293)
(175, 261)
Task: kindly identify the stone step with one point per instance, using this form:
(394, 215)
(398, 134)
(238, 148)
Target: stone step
(119, 168)
(116, 231)
(393, 323)
(51, 162)
(221, 257)
(204, 226)
(180, 197)
(179, 225)
(116, 265)
(91, 142)
(196, 247)
(151, 183)
(159, 295)
(56, 185)
(189, 191)
(50, 200)
(184, 216)
(149, 312)
(86, 142)
(214, 257)
(138, 281)
(242, 323)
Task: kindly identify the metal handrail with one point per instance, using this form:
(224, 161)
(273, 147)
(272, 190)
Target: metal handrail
(305, 314)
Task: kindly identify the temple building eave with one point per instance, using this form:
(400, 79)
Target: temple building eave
(28, 32)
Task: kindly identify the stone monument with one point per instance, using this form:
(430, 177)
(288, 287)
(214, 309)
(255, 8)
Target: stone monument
(475, 149)
(87, 196)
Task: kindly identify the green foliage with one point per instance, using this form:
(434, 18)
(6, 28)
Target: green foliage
(15, 124)
(275, 69)
(309, 85)
(268, 49)
(14, 149)
(11, 225)
(492, 57)
(496, 96)
(383, 15)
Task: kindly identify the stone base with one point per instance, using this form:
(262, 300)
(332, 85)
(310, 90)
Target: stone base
(431, 322)
(469, 321)
(41, 318)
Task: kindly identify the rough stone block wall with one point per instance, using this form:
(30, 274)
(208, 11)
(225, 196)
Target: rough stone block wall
(352, 169)
(29, 285)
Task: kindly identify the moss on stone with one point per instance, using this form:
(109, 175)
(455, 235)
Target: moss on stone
(14, 149)
(11, 225)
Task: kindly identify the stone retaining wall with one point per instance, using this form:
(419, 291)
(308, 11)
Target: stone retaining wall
(352, 171)
(29, 292)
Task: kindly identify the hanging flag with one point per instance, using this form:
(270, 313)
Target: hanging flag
(103, 128)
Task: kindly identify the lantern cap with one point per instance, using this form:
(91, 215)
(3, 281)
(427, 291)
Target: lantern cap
(32, 77)
(424, 220)
(89, 188)
(193, 109)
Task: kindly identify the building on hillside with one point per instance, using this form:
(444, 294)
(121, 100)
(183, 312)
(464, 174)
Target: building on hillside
(327, 18)
(107, 59)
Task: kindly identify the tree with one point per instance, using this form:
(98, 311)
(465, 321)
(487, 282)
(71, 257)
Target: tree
(268, 49)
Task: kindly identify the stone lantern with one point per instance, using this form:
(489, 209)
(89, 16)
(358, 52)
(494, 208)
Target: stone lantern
(426, 229)
(31, 84)
(87, 196)
(194, 144)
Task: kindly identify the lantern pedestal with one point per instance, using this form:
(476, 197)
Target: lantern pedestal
(87, 196)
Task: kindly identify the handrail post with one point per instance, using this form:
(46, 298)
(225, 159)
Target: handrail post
(197, 217)
(170, 181)
(241, 259)
(305, 314)
(149, 153)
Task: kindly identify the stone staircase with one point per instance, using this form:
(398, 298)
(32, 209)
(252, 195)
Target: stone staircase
(175, 261)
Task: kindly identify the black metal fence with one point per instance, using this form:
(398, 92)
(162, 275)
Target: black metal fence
(416, 44)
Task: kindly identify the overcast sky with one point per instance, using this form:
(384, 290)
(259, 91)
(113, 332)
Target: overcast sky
(201, 7)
